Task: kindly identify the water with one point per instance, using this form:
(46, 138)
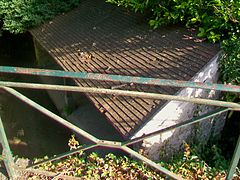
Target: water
(30, 133)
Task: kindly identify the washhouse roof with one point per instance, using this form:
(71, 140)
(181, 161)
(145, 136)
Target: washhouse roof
(101, 38)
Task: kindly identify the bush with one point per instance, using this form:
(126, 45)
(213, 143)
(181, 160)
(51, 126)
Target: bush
(192, 163)
(17, 16)
(216, 19)
(230, 66)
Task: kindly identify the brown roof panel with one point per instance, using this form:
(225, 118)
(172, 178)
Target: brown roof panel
(102, 38)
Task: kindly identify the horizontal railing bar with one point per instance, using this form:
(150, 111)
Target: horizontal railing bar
(146, 95)
(50, 114)
(179, 125)
(119, 78)
(151, 163)
(63, 155)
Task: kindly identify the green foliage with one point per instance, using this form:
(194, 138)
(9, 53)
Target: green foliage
(230, 66)
(18, 15)
(199, 163)
(216, 19)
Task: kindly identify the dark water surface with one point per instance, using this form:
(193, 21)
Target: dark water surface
(30, 133)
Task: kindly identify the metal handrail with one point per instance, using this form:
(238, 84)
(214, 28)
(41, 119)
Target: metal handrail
(138, 94)
(119, 78)
(226, 106)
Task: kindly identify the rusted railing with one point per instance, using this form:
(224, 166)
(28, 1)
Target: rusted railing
(7, 86)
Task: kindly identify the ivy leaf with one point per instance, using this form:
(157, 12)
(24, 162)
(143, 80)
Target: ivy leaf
(202, 32)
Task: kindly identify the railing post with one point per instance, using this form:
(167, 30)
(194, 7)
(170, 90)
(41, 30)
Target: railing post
(234, 161)
(7, 155)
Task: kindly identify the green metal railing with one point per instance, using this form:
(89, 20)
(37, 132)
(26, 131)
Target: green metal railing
(7, 86)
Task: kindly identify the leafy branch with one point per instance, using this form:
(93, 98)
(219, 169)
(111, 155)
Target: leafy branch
(17, 16)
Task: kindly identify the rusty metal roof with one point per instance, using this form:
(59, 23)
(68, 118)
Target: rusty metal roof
(102, 38)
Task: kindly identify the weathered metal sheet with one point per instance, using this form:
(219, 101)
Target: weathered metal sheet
(101, 38)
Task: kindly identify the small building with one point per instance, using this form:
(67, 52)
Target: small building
(98, 37)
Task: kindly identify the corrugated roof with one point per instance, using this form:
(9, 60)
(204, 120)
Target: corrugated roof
(102, 38)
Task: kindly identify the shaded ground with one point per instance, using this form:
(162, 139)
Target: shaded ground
(230, 134)
(30, 133)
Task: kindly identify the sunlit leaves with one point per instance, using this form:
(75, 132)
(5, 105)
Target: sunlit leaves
(189, 165)
(217, 19)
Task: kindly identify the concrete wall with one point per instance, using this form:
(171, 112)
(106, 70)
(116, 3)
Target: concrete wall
(65, 102)
(167, 144)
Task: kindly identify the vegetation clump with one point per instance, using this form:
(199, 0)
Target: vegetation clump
(93, 166)
(230, 66)
(17, 16)
(189, 165)
(216, 19)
